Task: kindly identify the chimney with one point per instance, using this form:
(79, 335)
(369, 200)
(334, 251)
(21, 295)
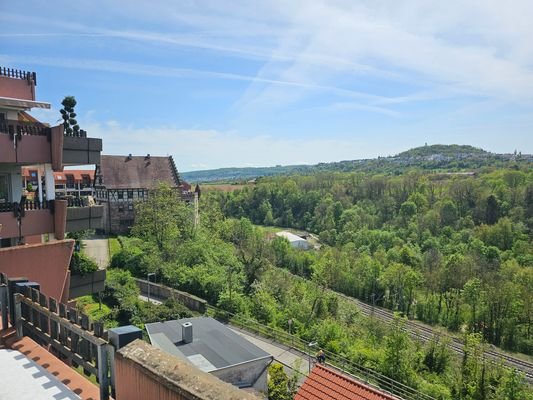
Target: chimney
(129, 157)
(147, 156)
(186, 332)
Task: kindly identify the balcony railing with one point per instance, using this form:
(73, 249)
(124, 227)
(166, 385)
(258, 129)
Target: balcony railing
(77, 202)
(28, 206)
(81, 133)
(18, 74)
(20, 128)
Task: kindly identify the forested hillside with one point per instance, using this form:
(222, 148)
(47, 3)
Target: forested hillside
(449, 250)
(443, 158)
(442, 250)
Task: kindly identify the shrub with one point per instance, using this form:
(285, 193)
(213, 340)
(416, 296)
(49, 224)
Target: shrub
(80, 264)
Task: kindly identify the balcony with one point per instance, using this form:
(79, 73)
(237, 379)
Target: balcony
(81, 215)
(80, 150)
(36, 143)
(25, 142)
(17, 84)
(49, 217)
(36, 219)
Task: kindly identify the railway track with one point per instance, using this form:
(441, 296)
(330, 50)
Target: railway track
(426, 333)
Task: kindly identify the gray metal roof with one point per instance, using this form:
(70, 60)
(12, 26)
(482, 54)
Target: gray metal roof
(217, 344)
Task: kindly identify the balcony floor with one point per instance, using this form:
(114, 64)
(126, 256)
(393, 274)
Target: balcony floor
(34, 373)
(24, 379)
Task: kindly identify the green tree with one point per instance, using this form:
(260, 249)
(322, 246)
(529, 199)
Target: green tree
(280, 385)
(398, 362)
(164, 219)
(492, 212)
(448, 213)
(408, 209)
(472, 293)
(68, 114)
(513, 387)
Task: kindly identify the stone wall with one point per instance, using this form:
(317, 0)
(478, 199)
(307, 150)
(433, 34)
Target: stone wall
(118, 221)
(145, 372)
(164, 292)
(250, 374)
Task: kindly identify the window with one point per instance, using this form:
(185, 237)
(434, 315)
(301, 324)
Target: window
(33, 179)
(70, 181)
(4, 189)
(120, 194)
(86, 180)
(130, 194)
(130, 206)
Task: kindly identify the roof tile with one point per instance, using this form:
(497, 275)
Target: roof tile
(326, 384)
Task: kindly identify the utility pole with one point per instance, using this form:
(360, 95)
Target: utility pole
(311, 344)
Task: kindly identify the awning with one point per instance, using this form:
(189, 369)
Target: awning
(9, 102)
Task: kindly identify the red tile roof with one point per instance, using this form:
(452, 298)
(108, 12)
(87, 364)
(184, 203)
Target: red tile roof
(76, 173)
(124, 172)
(60, 177)
(326, 384)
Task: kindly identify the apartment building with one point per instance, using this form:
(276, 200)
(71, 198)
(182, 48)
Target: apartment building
(69, 183)
(33, 225)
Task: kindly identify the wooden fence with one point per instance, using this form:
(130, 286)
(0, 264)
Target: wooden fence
(72, 335)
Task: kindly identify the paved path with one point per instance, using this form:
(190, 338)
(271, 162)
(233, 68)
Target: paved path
(98, 249)
(283, 354)
(154, 300)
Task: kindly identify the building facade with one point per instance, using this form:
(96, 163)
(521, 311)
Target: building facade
(74, 183)
(122, 181)
(33, 226)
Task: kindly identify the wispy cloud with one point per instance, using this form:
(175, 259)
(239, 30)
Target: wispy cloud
(155, 70)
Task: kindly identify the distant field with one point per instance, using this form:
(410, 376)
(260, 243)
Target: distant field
(224, 187)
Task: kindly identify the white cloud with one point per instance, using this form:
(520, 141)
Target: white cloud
(451, 43)
(206, 149)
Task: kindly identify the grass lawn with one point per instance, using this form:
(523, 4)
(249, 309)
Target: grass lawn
(114, 246)
(92, 308)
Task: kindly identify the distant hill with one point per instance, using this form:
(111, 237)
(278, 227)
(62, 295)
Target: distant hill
(442, 149)
(438, 157)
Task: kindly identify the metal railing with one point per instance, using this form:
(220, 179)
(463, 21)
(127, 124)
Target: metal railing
(23, 128)
(336, 361)
(81, 133)
(18, 74)
(26, 128)
(77, 201)
(27, 206)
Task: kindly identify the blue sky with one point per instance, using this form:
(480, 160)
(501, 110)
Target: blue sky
(239, 83)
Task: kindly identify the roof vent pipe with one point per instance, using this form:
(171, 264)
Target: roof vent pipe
(186, 332)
